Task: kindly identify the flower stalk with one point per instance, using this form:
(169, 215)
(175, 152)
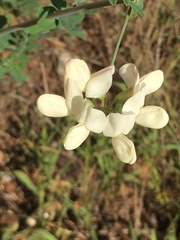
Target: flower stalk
(120, 37)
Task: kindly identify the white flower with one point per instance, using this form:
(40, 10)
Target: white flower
(117, 126)
(77, 79)
(79, 82)
(149, 116)
(124, 149)
(120, 124)
(94, 85)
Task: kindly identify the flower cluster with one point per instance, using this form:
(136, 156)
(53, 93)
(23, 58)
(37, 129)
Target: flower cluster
(80, 85)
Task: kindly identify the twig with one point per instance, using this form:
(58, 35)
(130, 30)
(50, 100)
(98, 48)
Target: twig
(58, 14)
(158, 49)
(4, 134)
(138, 205)
(19, 98)
(44, 77)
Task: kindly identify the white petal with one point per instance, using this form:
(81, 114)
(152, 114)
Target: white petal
(124, 149)
(129, 74)
(152, 117)
(78, 71)
(95, 120)
(134, 103)
(52, 105)
(152, 81)
(100, 82)
(80, 118)
(117, 124)
(74, 97)
(75, 137)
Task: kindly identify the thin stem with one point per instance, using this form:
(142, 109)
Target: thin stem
(58, 14)
(120, 37)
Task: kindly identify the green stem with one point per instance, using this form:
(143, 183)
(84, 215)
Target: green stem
(58, 14)
(120, 37)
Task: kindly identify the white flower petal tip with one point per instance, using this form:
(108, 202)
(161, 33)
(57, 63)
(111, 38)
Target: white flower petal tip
(100, 82)
(77, 70)
(153, 81)
(152, 117)
(52, 105)
(129, 74)
(124, 149)
(75, 137)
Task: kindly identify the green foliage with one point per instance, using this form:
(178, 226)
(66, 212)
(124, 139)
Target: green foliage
(17, 59)
(15, 68)
(78, 32)
(43, 25)
(48, 163)
(153, 235)
(25, 180)
(23, 7)
(136, 6)
(113, 2)
(48, 10)
(28, 6)
(8, 235)
(19, 44)
(41, 234)
(70, 22)
(3, 21)
(5, 42)
(59, 3)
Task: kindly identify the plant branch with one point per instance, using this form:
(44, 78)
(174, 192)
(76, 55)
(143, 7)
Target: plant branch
(58, 14)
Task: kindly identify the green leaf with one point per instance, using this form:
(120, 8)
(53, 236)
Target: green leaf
(48, 10)
(17, 59)
(5, 42)
(8, 234)
(123, 96)
(43, 25)
(3, 21)
(78, 32)
(136, 6)
(27, 6)
(59, 3)
(15, 68)
(72, 21)
(25, 180)
(113, 2)
(41, 234)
